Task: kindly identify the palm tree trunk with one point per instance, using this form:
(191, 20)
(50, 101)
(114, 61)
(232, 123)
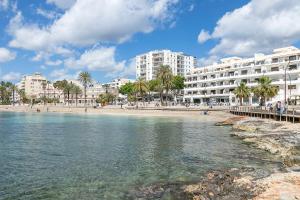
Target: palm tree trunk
(241, 101)
(76, 97)
(13, 97)
(85, 98)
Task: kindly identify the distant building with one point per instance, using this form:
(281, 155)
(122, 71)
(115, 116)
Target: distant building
(37, 86)
(117, 83)
(148, 63)
(216, 83)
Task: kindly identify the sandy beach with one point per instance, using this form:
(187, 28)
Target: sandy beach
(213, 115)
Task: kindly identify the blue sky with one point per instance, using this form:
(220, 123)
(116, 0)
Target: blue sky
(60, 38)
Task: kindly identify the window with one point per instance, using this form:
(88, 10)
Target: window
(292, 58)
(257, 71)
(274, 69)
(292, 87)
(275, 60)
(244, 72)
(292, 67)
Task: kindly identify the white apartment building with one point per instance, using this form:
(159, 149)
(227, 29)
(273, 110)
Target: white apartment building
(216, 83)
(148, 63)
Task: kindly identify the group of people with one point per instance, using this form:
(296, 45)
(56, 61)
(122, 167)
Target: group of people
(280, 107)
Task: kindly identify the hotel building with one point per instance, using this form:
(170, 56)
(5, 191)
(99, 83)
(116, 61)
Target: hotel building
(37, 86)
(148, 63)
(216, 83)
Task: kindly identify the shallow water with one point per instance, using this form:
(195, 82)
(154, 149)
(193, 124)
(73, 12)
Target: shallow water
(61, 156)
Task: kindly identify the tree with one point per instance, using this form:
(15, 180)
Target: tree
(13, 89)
(127, 89)
(5, 92)
(23, 97)
(67, 90)
(85, 78)
(44, 85)
(242, 91)
(265, 89)
(103, 99)
(76, 90)
(165, 76)
(61, 86)
(177, 85)
(140, 87)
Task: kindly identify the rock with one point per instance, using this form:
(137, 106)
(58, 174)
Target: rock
(230, 121)
(245, 128)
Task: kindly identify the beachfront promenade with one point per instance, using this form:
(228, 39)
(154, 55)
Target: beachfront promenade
(290, 114)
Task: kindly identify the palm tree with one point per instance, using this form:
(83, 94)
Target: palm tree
(85, 78)
(22, 95)
(48, 84)
(61, 86)
(76, 90)
(44, 85)
(177, 86)
(242, 91)
(67, 90)
(140, 87)
(265, 89)
(164, 74)
(13, 89)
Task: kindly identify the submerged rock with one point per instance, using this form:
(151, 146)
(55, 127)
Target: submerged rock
(230, 121)
(279, 138)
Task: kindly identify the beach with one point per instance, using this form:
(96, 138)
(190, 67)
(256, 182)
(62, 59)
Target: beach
(214, 115)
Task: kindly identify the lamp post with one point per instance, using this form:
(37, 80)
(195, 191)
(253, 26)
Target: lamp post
(285, 100)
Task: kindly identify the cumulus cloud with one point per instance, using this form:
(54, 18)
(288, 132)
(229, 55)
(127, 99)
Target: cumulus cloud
(91, 21)
(46, 13)
(6, 55)
(99, 59)
(259, 26)
(53, 63)
(11, 76)
(4, 4)
(61, 74)
(203, 36)
(63, 4)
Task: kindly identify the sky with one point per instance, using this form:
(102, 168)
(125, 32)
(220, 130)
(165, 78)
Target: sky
(61, 38)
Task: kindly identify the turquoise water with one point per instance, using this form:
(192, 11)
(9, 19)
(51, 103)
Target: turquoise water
(61, 156)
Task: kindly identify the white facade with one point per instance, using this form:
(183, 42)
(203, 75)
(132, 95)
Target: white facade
(216, 83)
(148, 63)
(119, 82)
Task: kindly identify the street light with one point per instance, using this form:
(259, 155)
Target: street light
(285, 100)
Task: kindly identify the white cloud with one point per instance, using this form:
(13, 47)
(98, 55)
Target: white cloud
(259, 26)
(191, 8)
(4, 4)
(6, 55)
(46, 13)
(203, 36)
(207, 61)
(91, 21)
(61, 74)
(11, 76)
(99, 59)
(129, 70)
(63, 4)
(53, 63)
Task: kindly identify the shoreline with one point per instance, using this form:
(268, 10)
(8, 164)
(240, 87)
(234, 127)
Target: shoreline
(213, 115)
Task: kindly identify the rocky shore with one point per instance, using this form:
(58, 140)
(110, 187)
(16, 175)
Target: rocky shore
(280, 138)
